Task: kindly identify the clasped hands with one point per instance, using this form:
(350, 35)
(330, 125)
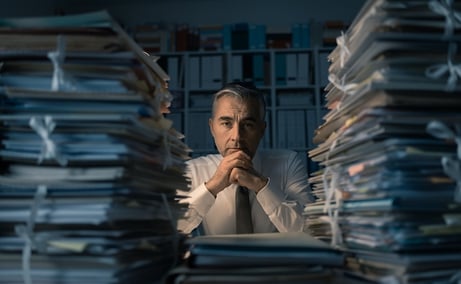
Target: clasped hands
(236, 168)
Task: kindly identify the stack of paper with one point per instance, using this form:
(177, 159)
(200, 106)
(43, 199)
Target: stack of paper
(258, 258)
(390, 146)
(89, 166)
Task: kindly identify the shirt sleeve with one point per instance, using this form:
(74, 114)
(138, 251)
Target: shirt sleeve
(283, 201)
(199, 202)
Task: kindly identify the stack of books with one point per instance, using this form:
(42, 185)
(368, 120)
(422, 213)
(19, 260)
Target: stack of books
(389, 192)
(89, 165)
(258, 258)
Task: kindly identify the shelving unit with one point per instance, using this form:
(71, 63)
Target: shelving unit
(292, 79)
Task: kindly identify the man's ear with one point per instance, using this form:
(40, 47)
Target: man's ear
(210, 124)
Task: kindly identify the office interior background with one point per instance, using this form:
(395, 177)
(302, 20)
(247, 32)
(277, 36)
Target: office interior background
(294, 110)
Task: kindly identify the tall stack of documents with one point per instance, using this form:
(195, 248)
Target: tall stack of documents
(389, 192)
(89, 166)
(293, 257)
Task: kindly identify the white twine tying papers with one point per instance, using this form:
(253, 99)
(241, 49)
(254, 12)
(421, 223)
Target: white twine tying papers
(44, 126)
(445, 8)
(26, 232)
(344, 51)
(59, 81)
(340, 84)
(453, 70)
(332, 192)
(451, 165)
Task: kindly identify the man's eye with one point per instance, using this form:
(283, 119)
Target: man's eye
(249, 125)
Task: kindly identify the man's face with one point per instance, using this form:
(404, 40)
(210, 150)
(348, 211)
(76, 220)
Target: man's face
(237, 125)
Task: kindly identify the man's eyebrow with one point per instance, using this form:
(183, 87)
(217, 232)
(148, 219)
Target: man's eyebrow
(225, 118)
(250, 118)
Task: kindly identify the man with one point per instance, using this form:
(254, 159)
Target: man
(276, 180)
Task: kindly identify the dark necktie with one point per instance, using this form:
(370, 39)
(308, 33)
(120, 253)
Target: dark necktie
(243, 211)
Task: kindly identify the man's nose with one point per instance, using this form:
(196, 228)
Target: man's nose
(236, 132)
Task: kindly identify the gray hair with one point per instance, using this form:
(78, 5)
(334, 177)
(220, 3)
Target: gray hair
(243, 90)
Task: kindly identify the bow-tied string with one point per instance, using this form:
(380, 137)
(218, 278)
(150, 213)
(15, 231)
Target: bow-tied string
(452, 17)
(44, 126)
(60, 81)
(451, 164)
(344, 51)
(453, 70)
(340, 84)
(331, 179)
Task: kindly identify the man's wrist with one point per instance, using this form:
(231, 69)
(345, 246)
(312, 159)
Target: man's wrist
(211, 189)
(262, 184)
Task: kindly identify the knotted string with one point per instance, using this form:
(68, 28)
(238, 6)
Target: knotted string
(332, 193)
(445, 8)
(451, 165)
(44, 126)
(344, 51)
(340, 84)
(26, 232)
(59, 81)
(453, 70)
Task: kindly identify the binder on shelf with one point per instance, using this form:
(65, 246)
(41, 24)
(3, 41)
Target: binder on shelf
(301, 98)
(217, 74)
(281, 130)
(280, 69)
(303, 67)
(173, 71)
(227, 37)
(291, 128)
(278, 40)
(211, 37)
(236, 68)
(301, 129)
(206, 68)
(153, 38)
(300, 35)
(311, 126)
(296, 35)
(257, 36)
(194, 72)
(259, 70)
(211, 71)
(291, 69)
(187, 37)
(247, 63)
(323, 68)
(305, 35)
(240, 36)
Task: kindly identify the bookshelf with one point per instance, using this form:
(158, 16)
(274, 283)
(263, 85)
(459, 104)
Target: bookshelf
(293, 80)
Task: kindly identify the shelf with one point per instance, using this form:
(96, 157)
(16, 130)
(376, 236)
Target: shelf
(292, 80)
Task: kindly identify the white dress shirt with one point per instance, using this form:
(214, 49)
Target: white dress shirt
(277, 207)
